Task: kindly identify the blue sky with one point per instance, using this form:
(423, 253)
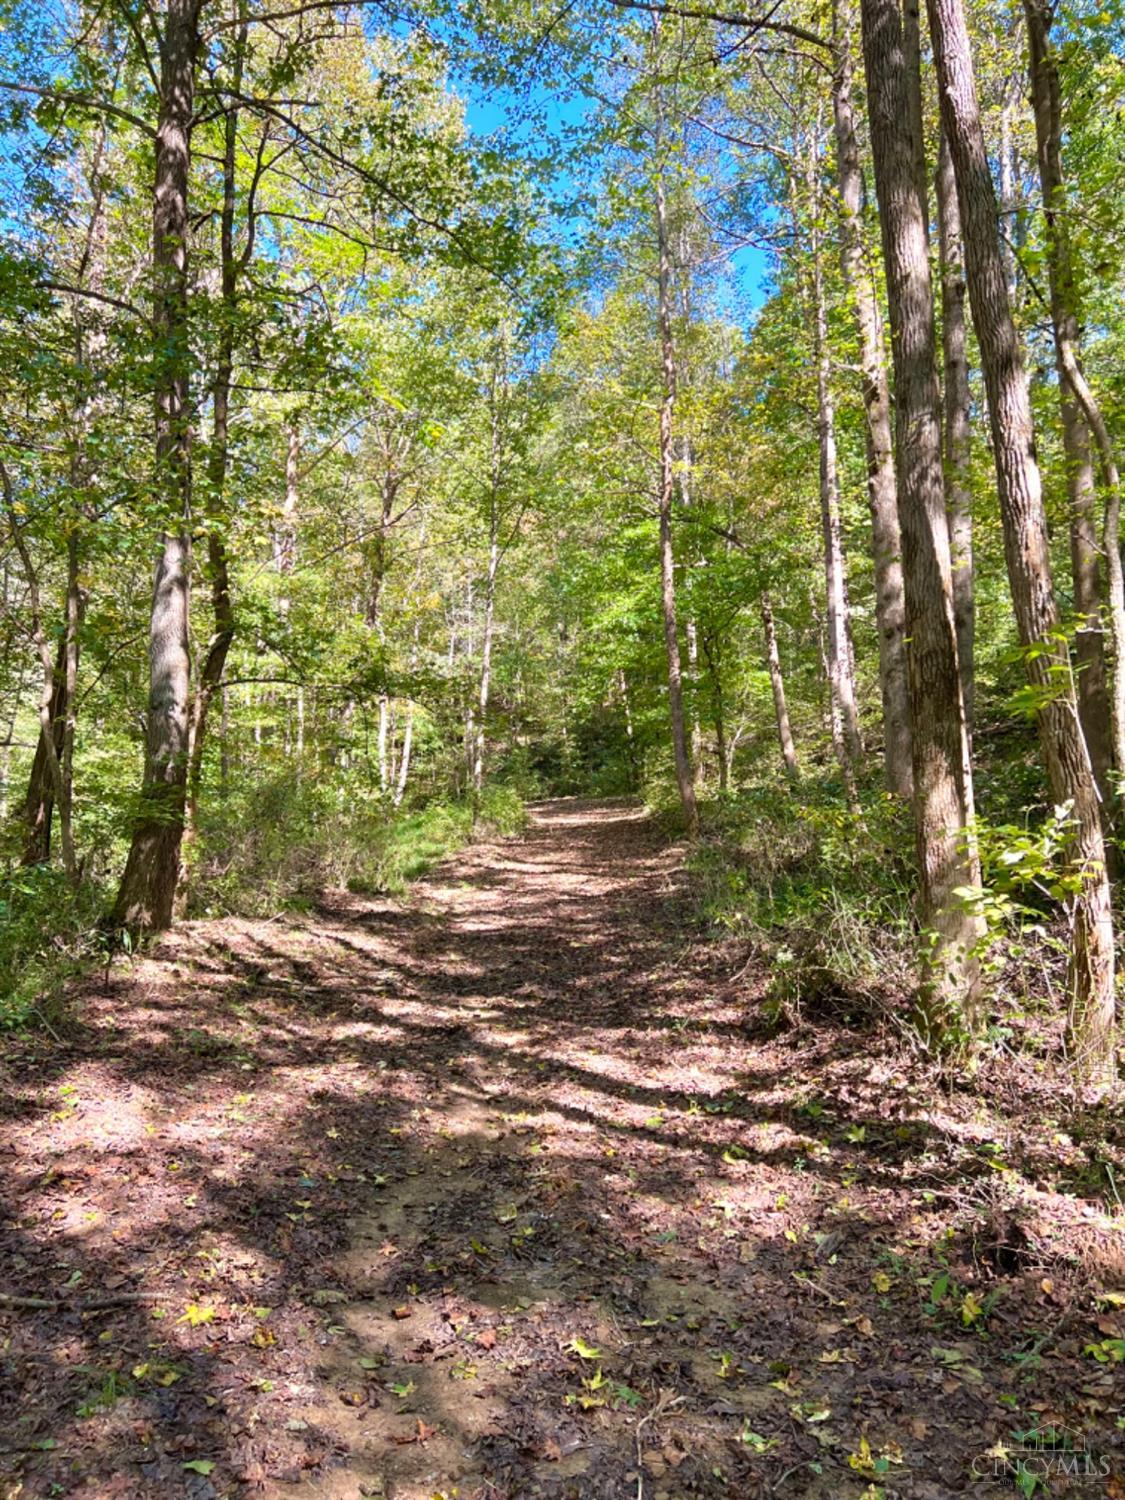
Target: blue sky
(505, 114)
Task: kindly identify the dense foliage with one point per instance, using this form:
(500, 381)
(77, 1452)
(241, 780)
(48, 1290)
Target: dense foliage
(482, 443)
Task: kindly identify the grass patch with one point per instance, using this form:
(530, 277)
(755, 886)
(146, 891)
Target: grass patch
(48, 932)
(823, 893)
(285, 842)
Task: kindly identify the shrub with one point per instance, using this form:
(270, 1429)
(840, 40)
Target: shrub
(48, 929)
(282, 842)
(822, 892)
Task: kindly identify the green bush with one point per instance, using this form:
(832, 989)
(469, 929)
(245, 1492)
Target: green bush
(282, 842)
(501, 811)
(48, 930)
(823, 892)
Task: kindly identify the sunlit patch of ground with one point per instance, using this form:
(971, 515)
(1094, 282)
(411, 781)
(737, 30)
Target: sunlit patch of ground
(504, 1191)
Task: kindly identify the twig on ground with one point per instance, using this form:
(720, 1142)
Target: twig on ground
(664, 1402)
(89, 1304)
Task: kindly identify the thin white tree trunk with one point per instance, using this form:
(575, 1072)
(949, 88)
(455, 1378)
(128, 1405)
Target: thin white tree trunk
(777, 683)
(486, 647)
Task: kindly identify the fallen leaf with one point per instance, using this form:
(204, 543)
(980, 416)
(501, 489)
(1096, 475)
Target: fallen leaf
(198, 1313)
(421, 1434)
(582, 1349)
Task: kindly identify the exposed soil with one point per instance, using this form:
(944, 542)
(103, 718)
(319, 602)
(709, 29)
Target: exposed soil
(507, 1191)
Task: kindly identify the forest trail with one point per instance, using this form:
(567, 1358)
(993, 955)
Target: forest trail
(491, 1193)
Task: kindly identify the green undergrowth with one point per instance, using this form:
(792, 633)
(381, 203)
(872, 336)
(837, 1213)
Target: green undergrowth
(825, 895)
(277, 847)
(284, 842)
(822, 892)
(48, 931)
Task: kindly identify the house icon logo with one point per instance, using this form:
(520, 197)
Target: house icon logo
(1042, 1454)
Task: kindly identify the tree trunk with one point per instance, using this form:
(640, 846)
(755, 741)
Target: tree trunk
(913, 113)
(148, 886)
(285, 543)
(630, 735)
(38, 808)
(841, 678)
(685, 779)
(1090, 977)
(777, 683)
(718, 708)
(75, 610)
(847, 741)
(1008, 198)
(958, 406)
(218, 568)
(943, 790)
(391, 481)
(385, 773)
(1093, 696)
(49, 726)
(486, 646)
(408, 727)
(691, 628)
(886, 542)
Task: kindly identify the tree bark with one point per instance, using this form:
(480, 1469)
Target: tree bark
(285, 543)
(943, 790)
(1007, 218)
(1091, 968)
(38, 808)
(408, 727)
(913, 113)
(485, 685)
(958, 405)
(685, 779)
(147, 892)
(51, 731)
(886, 541)
(691, 628)
(1093, 695)
(218, 567)
(718, 707)
(777, 683)
(847, 741)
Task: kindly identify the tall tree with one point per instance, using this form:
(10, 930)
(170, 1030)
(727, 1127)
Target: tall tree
(777, 687)
(1105, 744)
(210, 673)
(665, 292)
(886, 539)
(958, 429)
(943, 789)
(1091, 967)
(846, 734)
(148, 885)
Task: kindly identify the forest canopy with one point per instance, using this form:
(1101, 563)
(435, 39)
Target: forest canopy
(562, 746)
(410, 412)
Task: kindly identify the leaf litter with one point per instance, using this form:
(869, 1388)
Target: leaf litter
(505, 1191)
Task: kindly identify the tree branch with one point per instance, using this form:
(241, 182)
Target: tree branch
(80, 101)
(727, 18)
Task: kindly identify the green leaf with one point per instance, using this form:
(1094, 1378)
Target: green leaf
(584, 1350)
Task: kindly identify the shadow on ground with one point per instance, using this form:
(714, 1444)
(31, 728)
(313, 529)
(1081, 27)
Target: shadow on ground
(500, 1193)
